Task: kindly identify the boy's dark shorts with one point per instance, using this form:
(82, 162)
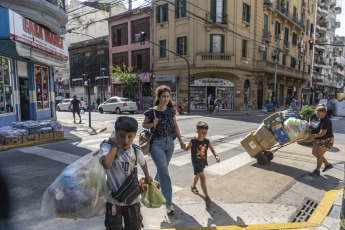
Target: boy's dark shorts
(198, 167)
(131, 214)
(76, 111)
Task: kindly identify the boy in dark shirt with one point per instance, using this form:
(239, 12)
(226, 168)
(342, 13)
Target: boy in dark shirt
(199, 147)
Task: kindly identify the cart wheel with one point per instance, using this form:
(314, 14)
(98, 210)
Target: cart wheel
(262, 159)
(270, 157)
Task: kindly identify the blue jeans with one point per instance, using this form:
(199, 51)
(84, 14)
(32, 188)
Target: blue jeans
(161, 152)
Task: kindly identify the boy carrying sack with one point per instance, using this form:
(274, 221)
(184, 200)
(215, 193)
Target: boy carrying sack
(120, 158)
(199, 147)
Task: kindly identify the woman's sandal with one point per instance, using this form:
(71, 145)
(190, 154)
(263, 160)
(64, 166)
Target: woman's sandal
(194, 190)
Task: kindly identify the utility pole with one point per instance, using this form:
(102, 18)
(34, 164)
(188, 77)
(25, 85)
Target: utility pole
(87, 83)
(142, 38)
(102, 95)
(276, 66)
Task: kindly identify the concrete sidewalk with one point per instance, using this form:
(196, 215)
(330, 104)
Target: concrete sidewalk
(261, 195)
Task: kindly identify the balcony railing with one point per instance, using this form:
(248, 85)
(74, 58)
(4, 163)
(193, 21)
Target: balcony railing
(266, 34)
(59, 3)
(286, 44)
(222, 19)
(290, 16)
(215, 57)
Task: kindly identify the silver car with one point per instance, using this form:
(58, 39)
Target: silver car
(118, 105)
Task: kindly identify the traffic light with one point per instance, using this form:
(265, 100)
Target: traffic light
(192, 80)
(140, 37)
(311, 43)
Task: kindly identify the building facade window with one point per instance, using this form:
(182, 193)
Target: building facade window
(294, 39)
(246, 13)
(277, 29)
(6, 91)
(120, 59)
(119, 34)
(307, 30)
(308, 69)
(264, 54)
(244, 48)
(284, 59)
(42, 87)
(311, 29)
(141, 25)
(293, 63)
(218, 11)
(216, 43)
(181, 45)
(162, 51)
(180, 8)
(162, 13)
(141, 60)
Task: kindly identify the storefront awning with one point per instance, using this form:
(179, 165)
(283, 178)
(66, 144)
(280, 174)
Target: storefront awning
(166, 77)
(100, 77)
(36, 55)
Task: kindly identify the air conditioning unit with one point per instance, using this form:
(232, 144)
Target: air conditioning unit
(310, 11)
(301, 50)
(280, 36)
(262, 48)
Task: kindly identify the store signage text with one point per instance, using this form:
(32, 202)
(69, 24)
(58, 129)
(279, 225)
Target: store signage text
(212, 82)
(28, 32)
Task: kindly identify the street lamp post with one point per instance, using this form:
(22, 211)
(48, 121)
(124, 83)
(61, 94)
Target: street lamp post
(102, 95)
(86, 83)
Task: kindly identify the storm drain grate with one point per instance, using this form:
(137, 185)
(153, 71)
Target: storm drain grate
(304, 211)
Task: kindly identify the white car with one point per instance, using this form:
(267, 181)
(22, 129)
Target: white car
(118, 105)
(63, 105)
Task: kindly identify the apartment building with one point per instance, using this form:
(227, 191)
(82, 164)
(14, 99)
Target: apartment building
(325, 70)
(230, 46)
(124, 49)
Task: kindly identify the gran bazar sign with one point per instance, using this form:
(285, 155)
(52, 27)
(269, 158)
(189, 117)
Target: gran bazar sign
(26, 31)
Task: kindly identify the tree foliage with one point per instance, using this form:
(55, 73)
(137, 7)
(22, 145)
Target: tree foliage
(130, 82)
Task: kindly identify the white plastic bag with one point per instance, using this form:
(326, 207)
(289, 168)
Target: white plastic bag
(80, 191)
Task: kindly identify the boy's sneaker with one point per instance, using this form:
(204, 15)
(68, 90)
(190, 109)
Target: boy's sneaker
(315, 173)
(208, 201)
(327, 167)
(170, 208)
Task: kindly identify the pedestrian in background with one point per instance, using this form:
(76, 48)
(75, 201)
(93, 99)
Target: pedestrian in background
(199, 147)
(98, 102)
(209, 102)
(161, 119)
(287, 102)
(217, 102)
(76, 108)
(249, 107)
(322, 132)
(331, 106)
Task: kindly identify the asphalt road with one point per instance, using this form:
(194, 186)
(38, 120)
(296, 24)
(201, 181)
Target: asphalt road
(29, 171)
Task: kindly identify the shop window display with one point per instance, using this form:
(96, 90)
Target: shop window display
(42, 92)
(198, 97)
(226, 96)
(6, 96)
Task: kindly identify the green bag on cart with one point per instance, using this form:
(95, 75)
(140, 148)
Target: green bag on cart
(152, 197)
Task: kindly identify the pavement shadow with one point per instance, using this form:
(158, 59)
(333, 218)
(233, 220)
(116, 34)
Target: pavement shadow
(324, 182)
(179, 220)
(220, 217)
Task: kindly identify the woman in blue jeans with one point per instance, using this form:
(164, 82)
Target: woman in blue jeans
(161, 119)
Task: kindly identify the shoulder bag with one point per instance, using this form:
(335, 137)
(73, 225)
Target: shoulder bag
(130, 189)
(145, 139)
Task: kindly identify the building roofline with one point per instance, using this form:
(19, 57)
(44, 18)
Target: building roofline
(129, 12)
(89, 42)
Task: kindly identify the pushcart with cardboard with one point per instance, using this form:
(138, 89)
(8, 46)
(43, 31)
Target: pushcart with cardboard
(270, 136)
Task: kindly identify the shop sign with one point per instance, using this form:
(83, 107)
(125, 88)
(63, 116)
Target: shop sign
(212, 82)
(28, 32)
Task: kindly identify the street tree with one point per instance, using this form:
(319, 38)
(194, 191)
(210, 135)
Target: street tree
(130, 82)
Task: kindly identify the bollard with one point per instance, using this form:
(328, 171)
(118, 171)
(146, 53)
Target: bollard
(342, 214)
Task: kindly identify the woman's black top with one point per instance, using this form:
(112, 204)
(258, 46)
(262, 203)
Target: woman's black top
(166, 126)
(316, 125)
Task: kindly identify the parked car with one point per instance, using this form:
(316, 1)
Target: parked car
(63, 105)
(118, 105)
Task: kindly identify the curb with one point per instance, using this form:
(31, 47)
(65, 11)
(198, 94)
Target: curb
(8, 147)
(102, 129)
(315, 220)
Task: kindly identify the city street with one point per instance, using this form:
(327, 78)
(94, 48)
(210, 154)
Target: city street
(234, 181)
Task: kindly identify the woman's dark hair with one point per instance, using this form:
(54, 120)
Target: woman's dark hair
(201, 125)
(159, 91)
(127, 124)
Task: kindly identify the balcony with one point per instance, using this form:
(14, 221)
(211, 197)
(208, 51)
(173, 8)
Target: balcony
(323, 11)
(293, 18)
(215, 57)
(49, 13)
(218, 19)
(318, 80)
(321, 27)
(337, 24)
(337, 10)
(266, 34)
